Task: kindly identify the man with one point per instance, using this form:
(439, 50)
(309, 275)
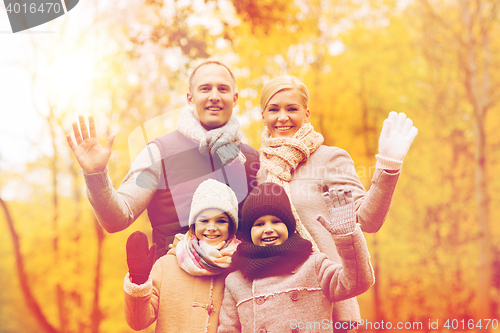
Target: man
(166, 173)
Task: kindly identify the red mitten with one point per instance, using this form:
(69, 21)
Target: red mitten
(140, 258)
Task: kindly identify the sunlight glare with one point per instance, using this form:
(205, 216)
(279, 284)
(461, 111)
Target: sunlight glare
(70, 77)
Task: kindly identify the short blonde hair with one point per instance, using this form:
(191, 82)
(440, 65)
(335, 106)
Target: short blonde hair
(280, 83)
(210, 62)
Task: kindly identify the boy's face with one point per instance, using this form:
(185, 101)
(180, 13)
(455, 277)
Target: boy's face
(212, 226)
(269, 230)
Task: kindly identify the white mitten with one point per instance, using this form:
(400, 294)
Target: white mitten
(396, 137)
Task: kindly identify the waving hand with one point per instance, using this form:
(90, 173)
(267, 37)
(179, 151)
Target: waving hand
(91, 156)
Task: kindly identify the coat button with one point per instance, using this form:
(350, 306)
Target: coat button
(295, 296)
(260, 300)
(295, 330)
(262, 330)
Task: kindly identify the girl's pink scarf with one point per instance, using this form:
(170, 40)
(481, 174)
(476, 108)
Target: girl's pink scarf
(199, 258)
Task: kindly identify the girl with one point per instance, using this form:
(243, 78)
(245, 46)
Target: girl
(282, 285)
(183, 290)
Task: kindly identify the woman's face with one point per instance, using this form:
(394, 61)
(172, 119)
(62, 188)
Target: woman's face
(212, 226)
(285, 114)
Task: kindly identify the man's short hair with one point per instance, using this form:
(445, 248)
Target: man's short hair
(208, 62)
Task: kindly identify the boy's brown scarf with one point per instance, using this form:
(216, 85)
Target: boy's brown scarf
(262, 261)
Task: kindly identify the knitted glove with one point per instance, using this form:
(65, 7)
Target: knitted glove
(341, 208)
(396, 137)
(140, 259)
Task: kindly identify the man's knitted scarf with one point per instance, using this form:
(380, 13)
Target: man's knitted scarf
(280, 156)
(262, 261)
(198, 258)
(223, 141)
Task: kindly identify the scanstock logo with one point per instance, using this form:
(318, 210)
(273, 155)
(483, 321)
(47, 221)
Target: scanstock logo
(26, 14)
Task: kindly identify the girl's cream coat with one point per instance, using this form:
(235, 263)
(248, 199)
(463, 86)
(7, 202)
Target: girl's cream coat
(179, 302)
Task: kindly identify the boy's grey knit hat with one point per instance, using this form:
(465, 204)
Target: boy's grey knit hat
(214, 194)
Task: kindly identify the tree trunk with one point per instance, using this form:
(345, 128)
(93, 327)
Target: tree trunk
(96, 315)
(479, 98)
(369, 139)
(29, 298)
(485, 256)
(377, 300)
(76, 298)
(60, 294)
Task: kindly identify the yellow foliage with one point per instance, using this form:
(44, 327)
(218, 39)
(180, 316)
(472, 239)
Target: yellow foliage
(358, 67)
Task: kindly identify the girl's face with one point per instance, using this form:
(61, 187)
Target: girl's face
(269, 230)
(212, 226)
(285, 114)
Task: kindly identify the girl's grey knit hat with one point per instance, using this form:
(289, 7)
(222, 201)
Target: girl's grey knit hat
(214, 194)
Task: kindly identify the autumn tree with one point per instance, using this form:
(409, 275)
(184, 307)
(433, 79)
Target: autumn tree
(464, 32)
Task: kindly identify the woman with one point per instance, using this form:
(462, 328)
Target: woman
(293, 156)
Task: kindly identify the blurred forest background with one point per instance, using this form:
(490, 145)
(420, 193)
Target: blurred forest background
(438, 255)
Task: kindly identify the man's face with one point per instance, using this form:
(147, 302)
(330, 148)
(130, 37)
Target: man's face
(213, 96)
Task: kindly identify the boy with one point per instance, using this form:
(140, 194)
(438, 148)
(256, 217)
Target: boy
(281, 284)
